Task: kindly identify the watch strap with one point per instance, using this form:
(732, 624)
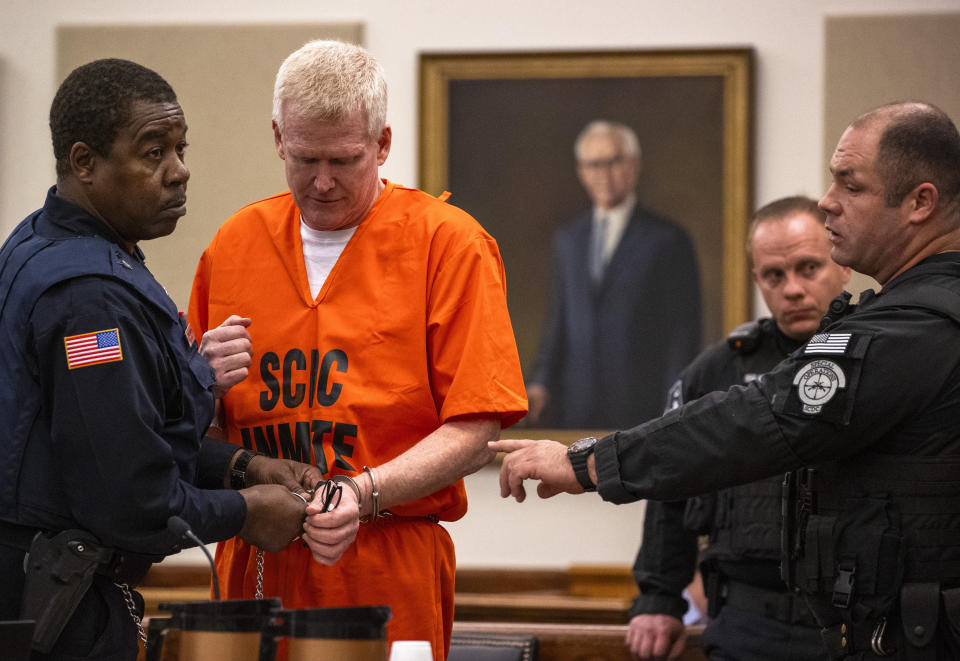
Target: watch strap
(238, 472)
(578, 459)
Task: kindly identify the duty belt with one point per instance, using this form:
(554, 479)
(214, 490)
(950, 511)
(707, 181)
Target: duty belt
(16, 536)
(782, 606)
(119, 567)
(869, 640)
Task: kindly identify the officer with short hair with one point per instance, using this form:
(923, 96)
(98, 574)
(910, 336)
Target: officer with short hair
(869, 404)
(790, 255)
(104, 399)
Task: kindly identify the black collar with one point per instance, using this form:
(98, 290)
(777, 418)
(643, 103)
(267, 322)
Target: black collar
(69, 219)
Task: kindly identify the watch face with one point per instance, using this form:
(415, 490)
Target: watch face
(583, 444)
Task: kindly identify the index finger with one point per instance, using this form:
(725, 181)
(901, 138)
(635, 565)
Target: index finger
(510, 444)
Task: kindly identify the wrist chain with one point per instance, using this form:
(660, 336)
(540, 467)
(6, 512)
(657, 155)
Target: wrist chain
(259, 593)
(132, 607)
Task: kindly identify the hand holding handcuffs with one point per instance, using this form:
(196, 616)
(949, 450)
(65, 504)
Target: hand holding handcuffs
(330, 493)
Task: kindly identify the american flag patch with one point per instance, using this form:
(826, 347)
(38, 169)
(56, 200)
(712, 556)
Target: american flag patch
(832, 343)
(93, 348)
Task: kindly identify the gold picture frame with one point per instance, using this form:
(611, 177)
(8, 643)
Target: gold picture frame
(497, 130)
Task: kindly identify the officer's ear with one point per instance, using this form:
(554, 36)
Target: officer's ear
(82, 161)
(921, 203)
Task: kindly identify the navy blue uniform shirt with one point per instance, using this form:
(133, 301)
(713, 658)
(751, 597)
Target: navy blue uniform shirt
(111, 441)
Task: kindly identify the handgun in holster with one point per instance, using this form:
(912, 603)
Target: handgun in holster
(59, 570)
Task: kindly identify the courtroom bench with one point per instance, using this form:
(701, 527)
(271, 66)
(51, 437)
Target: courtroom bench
(578, 594)
(577, 642)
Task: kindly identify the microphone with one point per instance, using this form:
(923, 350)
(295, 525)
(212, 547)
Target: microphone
(181, 529)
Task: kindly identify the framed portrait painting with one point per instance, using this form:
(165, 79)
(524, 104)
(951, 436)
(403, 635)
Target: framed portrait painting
(497, 130)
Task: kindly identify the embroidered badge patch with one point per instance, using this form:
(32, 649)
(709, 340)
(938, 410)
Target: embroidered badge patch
(817, 382)
(93, 348)
(828, 343)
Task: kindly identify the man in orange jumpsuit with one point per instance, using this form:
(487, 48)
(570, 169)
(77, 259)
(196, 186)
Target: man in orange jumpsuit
(383, 351)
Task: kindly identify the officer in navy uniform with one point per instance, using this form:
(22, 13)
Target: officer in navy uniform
(792, 268)
(864, 414)
(104, 399)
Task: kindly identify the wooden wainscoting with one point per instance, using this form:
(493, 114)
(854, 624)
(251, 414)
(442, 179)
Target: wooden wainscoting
(577, 614)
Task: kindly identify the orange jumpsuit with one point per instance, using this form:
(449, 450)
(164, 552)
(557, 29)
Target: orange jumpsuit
(409, 330)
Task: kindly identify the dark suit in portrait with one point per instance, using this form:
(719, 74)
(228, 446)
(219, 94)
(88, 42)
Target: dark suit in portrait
(611, 349)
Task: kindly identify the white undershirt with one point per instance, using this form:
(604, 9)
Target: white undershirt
(321, 250)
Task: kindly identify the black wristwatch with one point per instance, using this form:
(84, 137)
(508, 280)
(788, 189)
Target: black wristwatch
(238, 472)
(578, 453)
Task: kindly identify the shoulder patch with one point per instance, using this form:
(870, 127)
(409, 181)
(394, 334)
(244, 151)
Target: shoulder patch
(817, 382)
(828, 343)
(822, 386)
(93, 348)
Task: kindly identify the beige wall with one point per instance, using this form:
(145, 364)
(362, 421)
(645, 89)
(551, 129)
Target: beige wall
(791, 88)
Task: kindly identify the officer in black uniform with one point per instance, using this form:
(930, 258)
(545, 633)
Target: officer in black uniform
(104, 400)
(869, 405)
(797, 278)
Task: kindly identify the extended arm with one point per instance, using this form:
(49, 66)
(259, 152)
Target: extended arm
(456, 449)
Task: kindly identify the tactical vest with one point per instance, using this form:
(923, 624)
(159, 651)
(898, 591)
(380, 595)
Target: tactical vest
(872, 535)
(742, 521)
(31, 263)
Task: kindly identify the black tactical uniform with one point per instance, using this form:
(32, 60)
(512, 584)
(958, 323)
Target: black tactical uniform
(873, 533)
(741, 564)
(103, 405)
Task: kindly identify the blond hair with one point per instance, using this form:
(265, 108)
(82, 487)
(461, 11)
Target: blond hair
(330, 80)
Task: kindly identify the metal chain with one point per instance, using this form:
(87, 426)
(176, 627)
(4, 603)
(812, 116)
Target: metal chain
(132, 607)
(259, 594)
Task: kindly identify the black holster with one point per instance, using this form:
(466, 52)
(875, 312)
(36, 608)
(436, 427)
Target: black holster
(798, 502)
(699, 514)
(713, 587)
(59, 570)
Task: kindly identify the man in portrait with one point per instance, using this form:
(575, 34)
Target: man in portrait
(624, 313)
